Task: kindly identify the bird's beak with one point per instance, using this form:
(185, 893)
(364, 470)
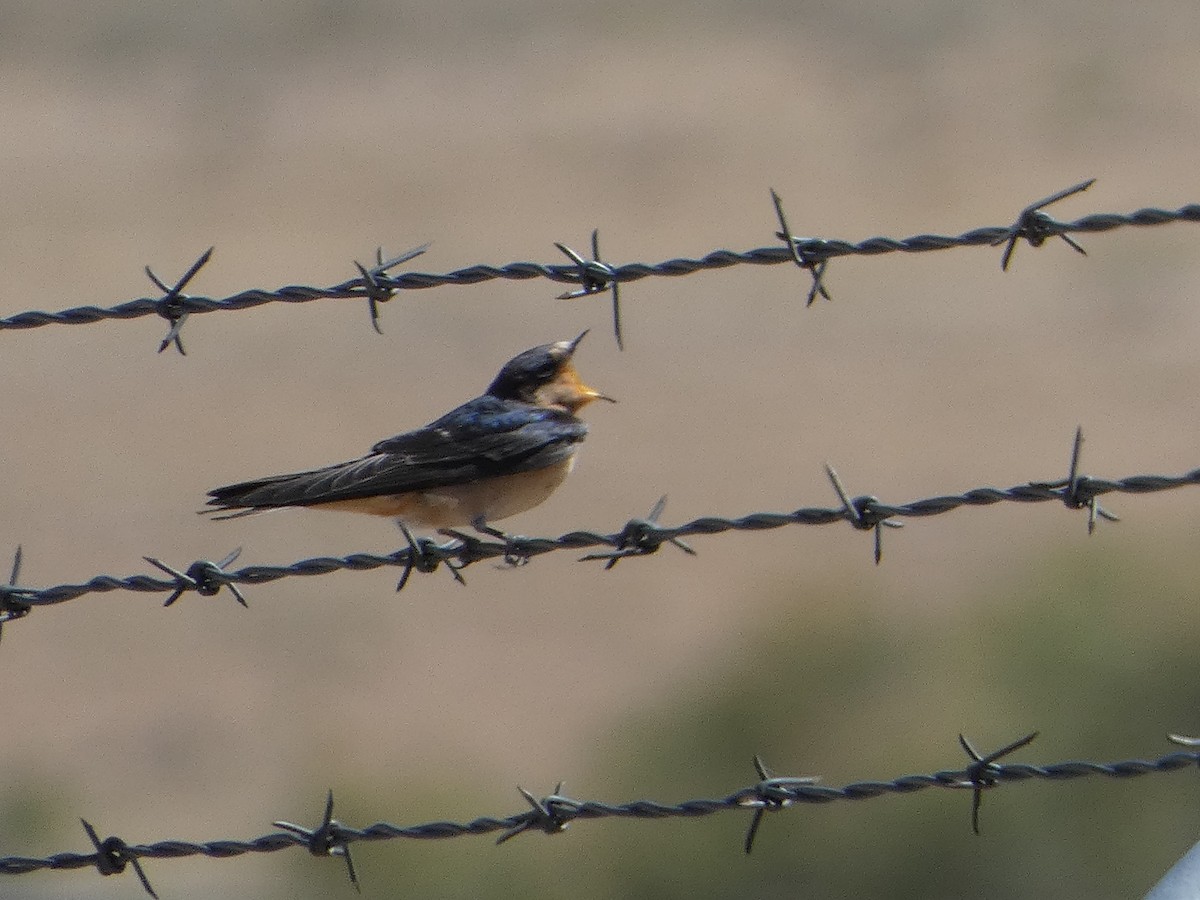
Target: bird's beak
(568, 388)
(569, 391)
(584, 394)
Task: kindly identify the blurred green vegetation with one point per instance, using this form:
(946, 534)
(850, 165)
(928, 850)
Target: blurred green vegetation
(1093, 646)
(35, 810)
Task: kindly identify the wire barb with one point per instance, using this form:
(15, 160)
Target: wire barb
(204, 576)
(861, 512)
(596, 277)
(772, 793)
(801, 257)
(1077, 495)
(373, 285)
(1078, 491)
(12, 606)
(983, 772)
(545, 815)
(113, 855)
(465, 550)
(1036, 227)
(171, 306)
(422, 556)
(640, 537)
(327, 839)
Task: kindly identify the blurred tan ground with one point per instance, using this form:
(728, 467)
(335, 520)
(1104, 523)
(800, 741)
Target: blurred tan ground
(296, 139)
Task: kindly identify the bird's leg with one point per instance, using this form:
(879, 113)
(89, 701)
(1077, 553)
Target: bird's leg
(516, 550)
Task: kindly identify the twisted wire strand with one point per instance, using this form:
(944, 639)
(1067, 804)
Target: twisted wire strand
(639, 537)
(814, 249)
(552, 814)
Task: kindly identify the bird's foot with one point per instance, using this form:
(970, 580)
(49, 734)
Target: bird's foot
(517, 551)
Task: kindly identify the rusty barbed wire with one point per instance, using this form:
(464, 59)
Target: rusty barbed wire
(592, 276)
(638, 537)
(554, 813)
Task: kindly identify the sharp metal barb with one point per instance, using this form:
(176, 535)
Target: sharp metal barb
(183, 582)
(787, 232)
(1074, 497)
(421, 558)
(202, 576)
(168, 306)
(469, 550)
(639, 537)
(382, 265)
(980, 775)
(1035, 226)
(1073, 472)
(752, 831)
(377, 293)
(541, 816)
(596, 276)
(851, 510)
(771, 793)
(199, 264)
(112, 856)
(575, 258)
(11, 605)
(411, 561)
(657, 509)
(164, 567)
(327, 839)
(238, 595)
(173, 335)
(618, 333)
(157, 282)
(861, 513)
(815, 267)
(1061, 195)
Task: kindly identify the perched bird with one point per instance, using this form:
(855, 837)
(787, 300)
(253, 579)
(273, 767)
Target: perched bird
(497, 455)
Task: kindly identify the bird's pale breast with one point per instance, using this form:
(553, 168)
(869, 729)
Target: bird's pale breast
(489, 499)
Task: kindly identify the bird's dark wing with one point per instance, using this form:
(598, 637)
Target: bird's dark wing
(484, 438)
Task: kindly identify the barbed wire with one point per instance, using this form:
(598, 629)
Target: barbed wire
(639, 537)
(593, 276)
(553, 813)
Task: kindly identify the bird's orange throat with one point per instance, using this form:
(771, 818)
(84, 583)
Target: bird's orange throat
(567, 392)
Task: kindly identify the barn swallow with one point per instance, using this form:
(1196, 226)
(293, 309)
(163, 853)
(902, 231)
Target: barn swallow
(493, 457)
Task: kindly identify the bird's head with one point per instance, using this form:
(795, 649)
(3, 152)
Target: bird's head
(546, 377)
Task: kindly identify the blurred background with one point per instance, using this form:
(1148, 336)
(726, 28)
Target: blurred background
(298, 136)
